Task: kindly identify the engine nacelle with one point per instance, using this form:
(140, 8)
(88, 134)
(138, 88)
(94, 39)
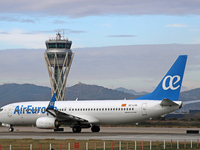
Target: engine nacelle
(47, 123)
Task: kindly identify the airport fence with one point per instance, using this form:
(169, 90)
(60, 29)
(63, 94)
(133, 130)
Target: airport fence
(99, 145)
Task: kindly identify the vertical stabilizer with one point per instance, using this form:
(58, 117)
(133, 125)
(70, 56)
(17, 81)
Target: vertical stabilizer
(52, 102)
(170, 85)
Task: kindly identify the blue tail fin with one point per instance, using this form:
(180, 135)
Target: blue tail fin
(52, 102)
(170, 85)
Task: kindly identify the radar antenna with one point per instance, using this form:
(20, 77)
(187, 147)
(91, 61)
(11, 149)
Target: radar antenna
(58, 36)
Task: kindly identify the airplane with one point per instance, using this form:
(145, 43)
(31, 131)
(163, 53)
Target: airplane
(93, 113)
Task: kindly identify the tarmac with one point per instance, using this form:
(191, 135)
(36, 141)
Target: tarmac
(106, 133)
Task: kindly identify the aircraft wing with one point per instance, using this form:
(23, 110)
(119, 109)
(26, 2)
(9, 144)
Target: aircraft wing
(64, 116)
(61, 115)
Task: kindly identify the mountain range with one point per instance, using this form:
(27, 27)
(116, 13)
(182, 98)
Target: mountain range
(29, 92)
(130, 91)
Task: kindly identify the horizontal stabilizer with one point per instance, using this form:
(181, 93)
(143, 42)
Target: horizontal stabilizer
(190, 102)
(167, 102)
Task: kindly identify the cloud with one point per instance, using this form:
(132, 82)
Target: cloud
(22, 38)
(59, 22)
(121, 36)
(196, 41)
(79, 8)
(75, 31)
(16, 19)
(176, 25)
(30, 39)
(3, 32)
(63, 30)
(139, 67)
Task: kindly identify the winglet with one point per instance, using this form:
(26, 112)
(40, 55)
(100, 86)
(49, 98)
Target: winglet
(52, 102)
(170, 85)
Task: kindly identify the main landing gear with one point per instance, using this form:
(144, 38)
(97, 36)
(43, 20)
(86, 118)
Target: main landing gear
(77, 129)
(95, 129)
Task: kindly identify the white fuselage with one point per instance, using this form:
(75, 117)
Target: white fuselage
(96, 112)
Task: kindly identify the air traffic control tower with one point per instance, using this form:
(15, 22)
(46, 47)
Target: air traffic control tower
(58, 58)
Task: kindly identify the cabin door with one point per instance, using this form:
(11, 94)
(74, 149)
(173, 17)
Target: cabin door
(144, 109)
(9, 111)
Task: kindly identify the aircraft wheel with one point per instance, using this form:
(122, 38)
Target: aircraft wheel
(11, 129)
(76, 129)
(95, 129)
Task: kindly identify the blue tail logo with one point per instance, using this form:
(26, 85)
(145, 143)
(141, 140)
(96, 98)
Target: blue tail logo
(170, 85)
(171, 82)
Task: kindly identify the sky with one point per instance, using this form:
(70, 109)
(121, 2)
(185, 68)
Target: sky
(129, 43)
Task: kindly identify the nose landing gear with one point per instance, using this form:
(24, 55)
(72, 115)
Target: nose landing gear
(11, 129)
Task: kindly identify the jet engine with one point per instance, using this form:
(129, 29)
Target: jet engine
(47, 123)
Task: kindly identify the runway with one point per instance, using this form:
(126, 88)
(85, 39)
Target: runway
(106, 133)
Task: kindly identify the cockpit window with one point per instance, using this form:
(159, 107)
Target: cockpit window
(1, 109)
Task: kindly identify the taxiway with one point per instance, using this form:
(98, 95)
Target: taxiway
(106, 133)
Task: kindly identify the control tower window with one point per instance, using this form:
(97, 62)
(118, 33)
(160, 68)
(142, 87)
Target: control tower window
(56, 45)
(51, 55)
(52, 45)
(61, 45)
(68, 45)
(61, 55)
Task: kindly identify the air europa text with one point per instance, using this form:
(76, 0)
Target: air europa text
(30, 109)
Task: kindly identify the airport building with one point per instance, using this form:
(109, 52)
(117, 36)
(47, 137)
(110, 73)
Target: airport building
(58, 58)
